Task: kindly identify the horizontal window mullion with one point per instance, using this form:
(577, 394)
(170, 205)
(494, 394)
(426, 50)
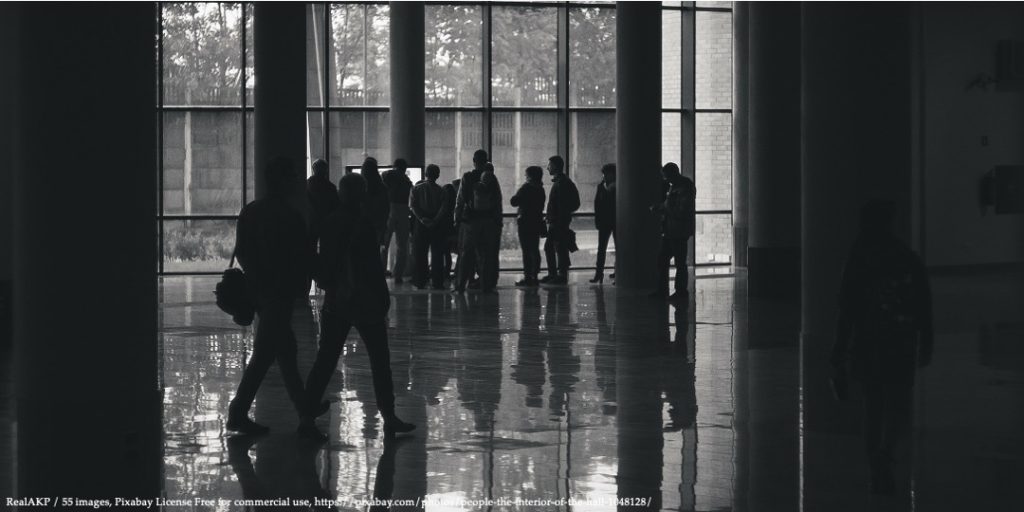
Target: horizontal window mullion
(713, 110)
(203, 108)
(196, 217)
(713, 212)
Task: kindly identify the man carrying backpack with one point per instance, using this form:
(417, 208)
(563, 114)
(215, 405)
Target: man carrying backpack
(678, 223)
(563, 201)
(884, 333)
(478, 212)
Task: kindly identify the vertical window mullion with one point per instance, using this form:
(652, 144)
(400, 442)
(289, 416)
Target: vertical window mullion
(160, 136)
(486, 82)
(562, 91)
(689, 64)
(245, 124)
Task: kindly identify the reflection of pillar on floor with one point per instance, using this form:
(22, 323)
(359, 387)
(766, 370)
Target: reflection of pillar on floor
(85, 336)
(638, 143)
(865, 156)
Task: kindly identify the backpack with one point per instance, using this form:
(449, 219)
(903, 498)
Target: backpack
(484, 196)
(233, 295)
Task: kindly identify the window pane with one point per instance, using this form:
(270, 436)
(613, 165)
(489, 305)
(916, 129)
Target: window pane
(714, 60)
(356, 135)
(250, 67)
(671, 137)
(591, 145)
(524, 58)
(454, 55)
(671, 59)
(202, 163)
(713, 239)
(719, 5)
(592, 59)
(359, 55)
(315, 65)
(714, 161)
(521, 139)
(202, 53)
(198, 245)
(451, 139)
(314, 139)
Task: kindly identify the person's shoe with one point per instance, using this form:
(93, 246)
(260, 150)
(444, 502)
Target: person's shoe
(490, 291)
(598, 279)
(395, 426)
(458, 290)
(548, 278)
(526, 282)
(679, 295)
(474, 285)
(659, 294)
(559, 280)
(243, 425)
(387, 273)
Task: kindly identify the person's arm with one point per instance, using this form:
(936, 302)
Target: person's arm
(443, 210)
(574, 198)
(414, 206)
(500, 208)
(516, 198)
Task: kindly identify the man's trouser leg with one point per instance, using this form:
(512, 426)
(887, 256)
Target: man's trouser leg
(467, 255)
(550, 250)
(602, 248)
(438, 250)
(375, 339)
(421, 246)
(333, 332)
(398, 223)
(274, 340)
(664, 257)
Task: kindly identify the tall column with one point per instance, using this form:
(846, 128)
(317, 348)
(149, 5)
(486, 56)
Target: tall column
(740, 116)
(638, 142)
(407, 68)
(85, 289)
(856, 146)
(279, 57)
(774, 151)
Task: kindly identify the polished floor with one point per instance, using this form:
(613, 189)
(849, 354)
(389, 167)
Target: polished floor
(589, 393)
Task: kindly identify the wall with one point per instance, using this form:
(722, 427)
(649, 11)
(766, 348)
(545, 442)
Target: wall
(959, 42)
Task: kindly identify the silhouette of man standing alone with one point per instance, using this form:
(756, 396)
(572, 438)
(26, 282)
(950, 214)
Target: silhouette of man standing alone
(272, 247)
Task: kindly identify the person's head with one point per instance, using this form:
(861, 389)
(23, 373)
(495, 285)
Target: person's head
(369, 166)
(670, 172)
(320, 168)
(280, 175)
(876, 217)
(479, 159)
(433, 172)
(401, 165)
(534, 173)
(352, 190)
(556, 165)
(608, 170)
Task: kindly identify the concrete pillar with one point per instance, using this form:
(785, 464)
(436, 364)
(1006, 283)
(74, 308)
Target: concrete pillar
(85, 289)
(740, 117)
(407, 68)
(638, 139)
(279, 57)
(856, 145)
(8, 60)
(774, 136)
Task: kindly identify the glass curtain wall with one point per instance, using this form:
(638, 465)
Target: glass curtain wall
(522, 80)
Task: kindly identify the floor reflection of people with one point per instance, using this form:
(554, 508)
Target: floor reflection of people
(678, 374)
(285, 468)
(604, 357)
(480, 365)
(563, 364)
(529, 368)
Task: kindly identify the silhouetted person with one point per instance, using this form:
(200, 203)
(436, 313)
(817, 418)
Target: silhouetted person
(377, 205)
(529, 368)
(678, 223)
(273, 249)
(431, 230)
(563, 201)
(529, 200)
(350, 272)
(884, 332)
(399, 187)
(478, 213)
(494, 230)
(285, 468)
(323, 198)
(604, 217)
(451, 191)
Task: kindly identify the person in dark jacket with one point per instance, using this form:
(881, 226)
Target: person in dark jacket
(563, 201)
(378, 205)
(349, 270)
(399, 187)
(678, 223)
(529, 200)
(427, 203)
(604, 218)
(884, 333)
(273, 249)
(323, 198)
(477, 222)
